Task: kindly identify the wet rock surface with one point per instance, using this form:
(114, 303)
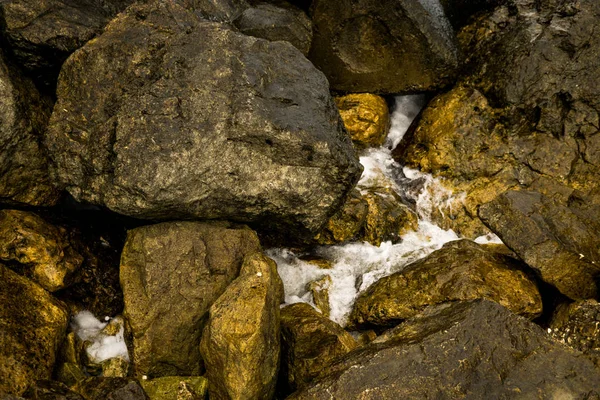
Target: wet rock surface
(577, 325)
(171, 273)
(231, 140)
(240, 343)
(111, 389)
(37, 249)
(277, 22)
(310, 344)
(27, 351)
(473, 349)
(42, 34)
(461, 270)
(383, 47)
(176, 387)
(24, 177)
(552, 239)
(366, 118)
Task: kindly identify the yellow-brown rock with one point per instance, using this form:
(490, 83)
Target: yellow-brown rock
(241, 342)
(176, 388)
(366, 118)
(116, 367)
(461, 270)
(387, 218)
(347, 223)
(320, 293)
(32, 327)
(310, 343)
(41, 251)
(69, 374)
(171, 273)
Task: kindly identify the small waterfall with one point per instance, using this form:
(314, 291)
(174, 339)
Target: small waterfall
(355, 266)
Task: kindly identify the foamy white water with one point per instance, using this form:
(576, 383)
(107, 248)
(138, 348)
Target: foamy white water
(356, 266)
(103, 347)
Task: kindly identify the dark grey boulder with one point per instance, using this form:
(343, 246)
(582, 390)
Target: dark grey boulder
(178, 118)
(383, 46)
(42, 33)
(24, 114)
(474, 350)
(274, 23)
(562, 247)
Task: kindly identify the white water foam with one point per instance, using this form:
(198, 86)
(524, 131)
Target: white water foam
(358, 265)
(103, 347)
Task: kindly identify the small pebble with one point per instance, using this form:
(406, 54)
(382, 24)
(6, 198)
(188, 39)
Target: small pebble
(259, 274)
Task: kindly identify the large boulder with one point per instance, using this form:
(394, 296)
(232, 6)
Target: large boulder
(37, 249)
(525, 115)
(461, 270)
(43, 33)
(383, 46)
(311, 342)
(552, 239)
(32, 327)
(240, 344)
(366, 117)
(171, 273)
(272, 22)
(163, 126)
(475, 349)
(24, 114)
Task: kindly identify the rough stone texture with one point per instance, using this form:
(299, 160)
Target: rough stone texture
(171, 273)
(551, 238)
(241, 342)
(320, 294)
(459, 11)
(176, 388)
(164, 127)
(383, 46)
(366, 118)
(37, 249)
(526, 112)
(476, 350)
(70, 373)
(577, 325)
(115, 368)
(388, 218)
(50, 390)
(273, 23)
(310, 343)
(42, 33)
(32, 327)
(24, 114)
(461, 270)
(96, 388)
(217, 10)
(347, 223)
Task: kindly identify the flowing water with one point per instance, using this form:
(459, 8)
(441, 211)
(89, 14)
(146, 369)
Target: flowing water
(358, 265)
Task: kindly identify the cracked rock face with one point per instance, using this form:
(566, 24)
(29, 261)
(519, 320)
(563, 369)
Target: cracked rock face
(152, 121)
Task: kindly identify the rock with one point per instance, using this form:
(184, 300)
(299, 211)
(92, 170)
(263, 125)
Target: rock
(347, 222)
(42, 34)
(383, 47)
(171, 273)
(388, 218)
(176, 387)
(271, 22)
(461, 270)
(70, 374)
(459, 11)
(50, 390)
(320, 293)
(366, 118)
(577, 325)
(217, 10)
(475, 349)
(240, 343)
(549, 237)
(110, 389)
(24, 113)
(310, 343)
(115, 368)
(247, 134)
(37, 249)
(32, 327)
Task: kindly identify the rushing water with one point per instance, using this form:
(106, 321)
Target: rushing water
(358, 265)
